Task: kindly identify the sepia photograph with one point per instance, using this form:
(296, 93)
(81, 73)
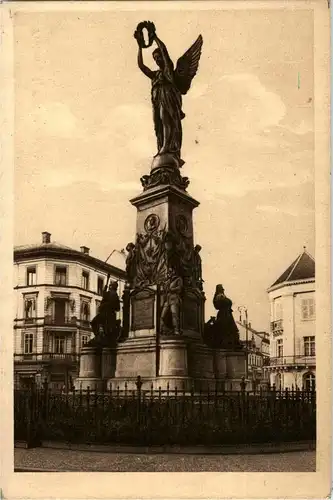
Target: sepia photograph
(169, 273)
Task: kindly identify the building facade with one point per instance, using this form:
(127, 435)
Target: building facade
(293, 332)
(257, 345)
(58, 291)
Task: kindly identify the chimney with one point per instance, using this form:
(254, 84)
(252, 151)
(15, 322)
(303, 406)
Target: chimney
(85, 250)
(46, 237)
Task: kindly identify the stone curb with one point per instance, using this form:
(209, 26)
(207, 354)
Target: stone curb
(255, 449)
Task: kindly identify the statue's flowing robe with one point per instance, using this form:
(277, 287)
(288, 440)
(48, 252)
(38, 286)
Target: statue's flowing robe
(107, 313)
(224, 315)
(167, 111)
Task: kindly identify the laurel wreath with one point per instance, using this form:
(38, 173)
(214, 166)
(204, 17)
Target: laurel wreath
(138, 34)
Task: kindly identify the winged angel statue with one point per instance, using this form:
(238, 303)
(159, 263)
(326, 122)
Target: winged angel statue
(168, 86)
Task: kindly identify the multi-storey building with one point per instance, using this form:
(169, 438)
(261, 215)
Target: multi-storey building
(58, 291)
(257, 345)
(293, 333)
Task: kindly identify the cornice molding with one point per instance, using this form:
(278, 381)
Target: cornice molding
(291, 283)
(52, 285)
(67, 255)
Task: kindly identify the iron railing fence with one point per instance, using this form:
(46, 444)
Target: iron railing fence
(150, 417)
(298, 359)
(47, 356)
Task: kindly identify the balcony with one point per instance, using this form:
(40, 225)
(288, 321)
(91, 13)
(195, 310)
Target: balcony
(46, 356)
(60, 321)
(277, 327)
(30, 321)
(294, 361)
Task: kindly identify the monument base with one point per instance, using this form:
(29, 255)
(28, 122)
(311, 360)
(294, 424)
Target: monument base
(176, 362)
(166, 363)
(91, 383)
(96, 365)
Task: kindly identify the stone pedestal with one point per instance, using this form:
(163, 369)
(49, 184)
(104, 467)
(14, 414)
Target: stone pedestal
(201, 361)
(90, 374)
(173, 358)
(136, 357)
(220, 363)
(108, 362)
(236, 364)
(90, 362)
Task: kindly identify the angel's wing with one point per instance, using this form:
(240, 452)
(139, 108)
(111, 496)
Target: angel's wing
(187, 66)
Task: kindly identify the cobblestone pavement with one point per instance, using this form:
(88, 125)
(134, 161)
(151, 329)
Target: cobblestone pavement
(73, 460)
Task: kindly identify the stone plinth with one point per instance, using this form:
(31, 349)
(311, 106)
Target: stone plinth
(91, 383)
(109, 360)
(236, 364)
(135, 357)
(90, 362)
(200, 361)
(90, 374)
(220, 363)
(173, 358)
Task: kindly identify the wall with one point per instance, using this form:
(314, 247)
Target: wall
(45, 269)
(294, 328)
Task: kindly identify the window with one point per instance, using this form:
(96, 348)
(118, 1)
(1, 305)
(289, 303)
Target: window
(279, 348)
(84, 340)
(85, 311)
(278, 311)
(98, 303)
(28, 343)
(29, 309)
(278, 382)
(308, 309)
(59, 311)
(85, 280)
(59, 344)
(309, 346)
(309, 382)
(60, 275)
(31, 276)
(100, 285)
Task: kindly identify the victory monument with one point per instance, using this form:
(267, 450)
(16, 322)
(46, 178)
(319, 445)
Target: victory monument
(163, 336)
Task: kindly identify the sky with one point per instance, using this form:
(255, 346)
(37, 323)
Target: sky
(84, 136)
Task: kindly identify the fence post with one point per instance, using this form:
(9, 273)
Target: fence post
(45, 399)
(32, 426)
(138, 384)
(243, 405)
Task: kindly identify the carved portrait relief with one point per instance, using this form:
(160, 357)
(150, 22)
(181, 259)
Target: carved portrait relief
(152, 223)
(182, 225)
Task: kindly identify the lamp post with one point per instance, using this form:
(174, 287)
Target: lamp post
(240, 309)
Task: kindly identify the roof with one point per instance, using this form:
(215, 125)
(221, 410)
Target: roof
(303, 268)
(263, 336)
(35, 246)
(57, 250)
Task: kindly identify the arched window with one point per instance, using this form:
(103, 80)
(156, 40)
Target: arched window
(309, 381)
(278, 382)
